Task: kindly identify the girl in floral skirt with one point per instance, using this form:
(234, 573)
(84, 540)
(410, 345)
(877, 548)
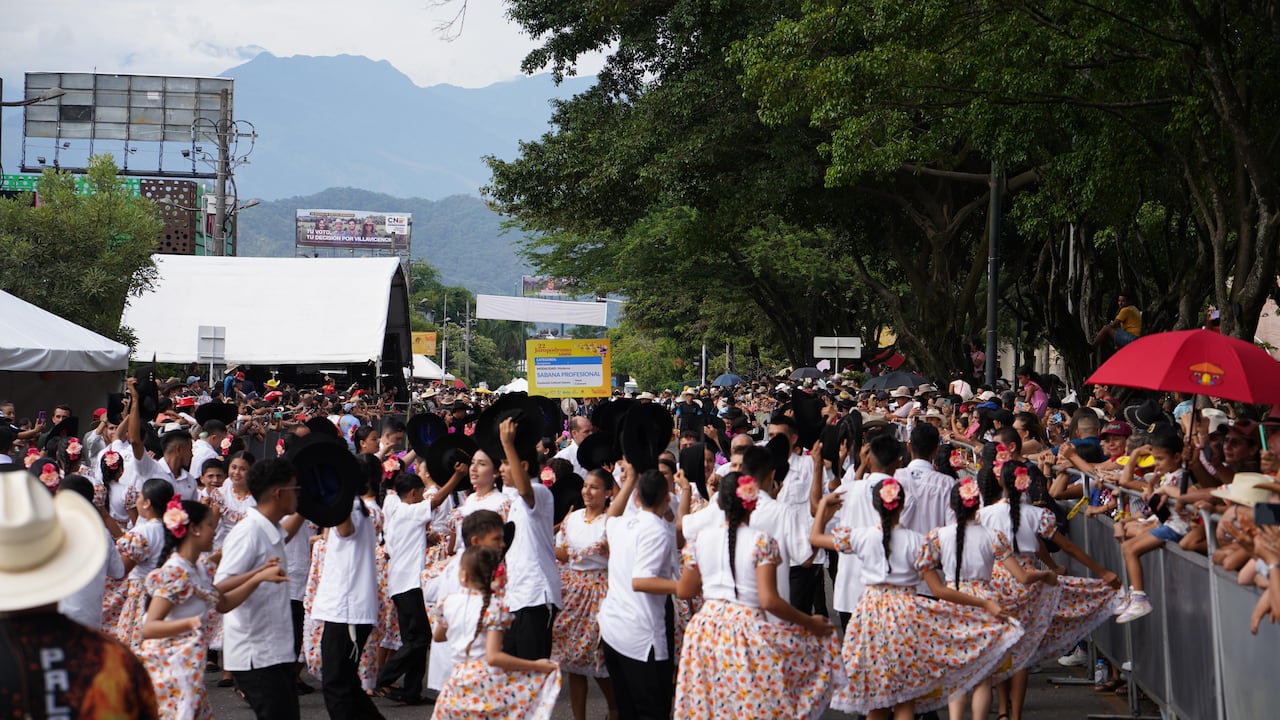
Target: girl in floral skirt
(140, 550)
(183, 598)
(965, 554)
(904, 653)
(1036, 605)
(735, 662)
(583, 553)
(487, 682)
(111, 466)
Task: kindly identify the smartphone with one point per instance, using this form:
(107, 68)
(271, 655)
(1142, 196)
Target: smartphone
(1266, 514)
(41, 417)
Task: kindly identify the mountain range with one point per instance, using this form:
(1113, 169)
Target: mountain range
(347, 132)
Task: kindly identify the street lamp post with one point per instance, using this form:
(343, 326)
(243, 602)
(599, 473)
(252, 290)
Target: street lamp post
(49, 94)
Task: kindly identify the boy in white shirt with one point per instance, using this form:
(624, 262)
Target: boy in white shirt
(406, 542)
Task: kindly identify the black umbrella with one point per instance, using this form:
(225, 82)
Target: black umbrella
(806, 373)
(895, 379)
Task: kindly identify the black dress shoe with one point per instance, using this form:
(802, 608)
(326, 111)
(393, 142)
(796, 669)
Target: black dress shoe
(303, 688)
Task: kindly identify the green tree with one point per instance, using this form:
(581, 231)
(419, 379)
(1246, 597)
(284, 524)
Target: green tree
(80, 256)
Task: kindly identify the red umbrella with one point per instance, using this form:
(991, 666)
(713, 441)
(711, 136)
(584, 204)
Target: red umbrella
(1196, 362)
(459, 384)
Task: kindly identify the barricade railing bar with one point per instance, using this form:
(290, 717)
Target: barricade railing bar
(1194, 655)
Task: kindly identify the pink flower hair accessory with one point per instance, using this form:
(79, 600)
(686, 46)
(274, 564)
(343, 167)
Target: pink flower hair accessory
(969, 495)
(1021, 479)
(548, 476)
(226, 445)
(890, 494)
(748, 491)
(390, 467)
(32, 456)
(111, 459)
(74, 448)
(280, 447)
(957, 459)
(499, 578)
(175, 518)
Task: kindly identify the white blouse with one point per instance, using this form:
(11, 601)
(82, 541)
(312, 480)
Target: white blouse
(1033, 523)
(709, 555)
(867, 545)
(584, 541)
(460, 614)
(983, 548)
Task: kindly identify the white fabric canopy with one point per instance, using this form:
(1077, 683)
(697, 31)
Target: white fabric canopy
(424, 368)
(539, 310)
(304, 311)
(35, 340)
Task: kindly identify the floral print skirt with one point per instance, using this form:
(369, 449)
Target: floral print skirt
(1031, 605)
(736, 663)
(114, 594)
(477, 691)
(575, 638)
(132, 613)
(901, 647)
(176, 667)
(1084, 604)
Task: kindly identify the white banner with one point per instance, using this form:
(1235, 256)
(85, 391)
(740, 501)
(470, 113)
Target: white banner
(538, 310)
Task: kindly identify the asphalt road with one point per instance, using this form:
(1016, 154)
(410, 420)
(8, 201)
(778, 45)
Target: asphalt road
(1045, 701)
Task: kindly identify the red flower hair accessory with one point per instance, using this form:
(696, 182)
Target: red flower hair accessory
(890, 494)
(969, 495)
(548, 476)
(499, 578)
(32, 456)
(748, 491)
(74, 448)
(49, 475)
(1021, 479)
(280, 447)
(957, 459)
(175, 518)
(390, 467)
(111, 459)
(226, 445)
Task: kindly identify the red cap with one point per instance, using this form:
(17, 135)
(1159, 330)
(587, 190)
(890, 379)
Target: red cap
(97, 414)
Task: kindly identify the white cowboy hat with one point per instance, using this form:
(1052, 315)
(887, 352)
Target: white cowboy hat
(50, 546)
(1244, 490)
(903, 392)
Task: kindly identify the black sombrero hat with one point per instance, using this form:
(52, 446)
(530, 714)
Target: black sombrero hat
(646, 432)
(423, 430)
(780, 452)
(224, 412)
(597, 451)
(329, 478)
(443, 453)
(528, 417)
(691, 463)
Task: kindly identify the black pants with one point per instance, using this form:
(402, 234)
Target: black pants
(262, 688)
(410, 661)
(529, 637)
(296, 607)
(644, 689)
(340, 648)
(808, 593)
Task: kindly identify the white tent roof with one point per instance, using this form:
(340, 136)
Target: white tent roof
(424, 368)
(303, 311)
(36, 340)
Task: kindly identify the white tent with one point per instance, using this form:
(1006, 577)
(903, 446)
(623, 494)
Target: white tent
(424, 368)
(47, 361)
(296, 311)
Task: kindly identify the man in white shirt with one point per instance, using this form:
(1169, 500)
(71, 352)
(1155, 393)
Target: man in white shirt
(533, 579)
(208, 446)
(635, 616)
(928, 491)
(579, 429)
(258, 635)
(808, 593)
(737, 446)
(176, 448)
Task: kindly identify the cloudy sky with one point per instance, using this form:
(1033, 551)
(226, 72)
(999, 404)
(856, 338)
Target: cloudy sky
(175, 38)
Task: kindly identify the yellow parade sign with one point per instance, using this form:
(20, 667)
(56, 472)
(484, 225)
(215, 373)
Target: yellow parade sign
(424, 343)
(569, 368)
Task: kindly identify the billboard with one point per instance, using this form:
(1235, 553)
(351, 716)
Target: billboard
(569, 368)
(538, 286)
(353, 229)
(424, 343)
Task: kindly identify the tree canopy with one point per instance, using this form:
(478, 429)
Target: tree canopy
(80, 256)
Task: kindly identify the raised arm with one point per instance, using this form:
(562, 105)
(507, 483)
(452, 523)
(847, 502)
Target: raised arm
(517, 473)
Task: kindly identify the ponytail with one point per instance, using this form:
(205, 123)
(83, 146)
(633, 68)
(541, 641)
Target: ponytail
(483, 568)
(736, 513)
(965, 501)
(1014, 496)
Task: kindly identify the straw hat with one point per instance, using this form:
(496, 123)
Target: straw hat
(903, 392)
(50, 546)
(1244, 489)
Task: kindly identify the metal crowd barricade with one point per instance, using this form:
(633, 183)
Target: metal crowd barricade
(1194, 655)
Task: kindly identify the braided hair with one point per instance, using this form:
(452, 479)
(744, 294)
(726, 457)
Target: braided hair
(964, 514)
(1014, 496)
(888, 516)
(737, 514)
(480, 564)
